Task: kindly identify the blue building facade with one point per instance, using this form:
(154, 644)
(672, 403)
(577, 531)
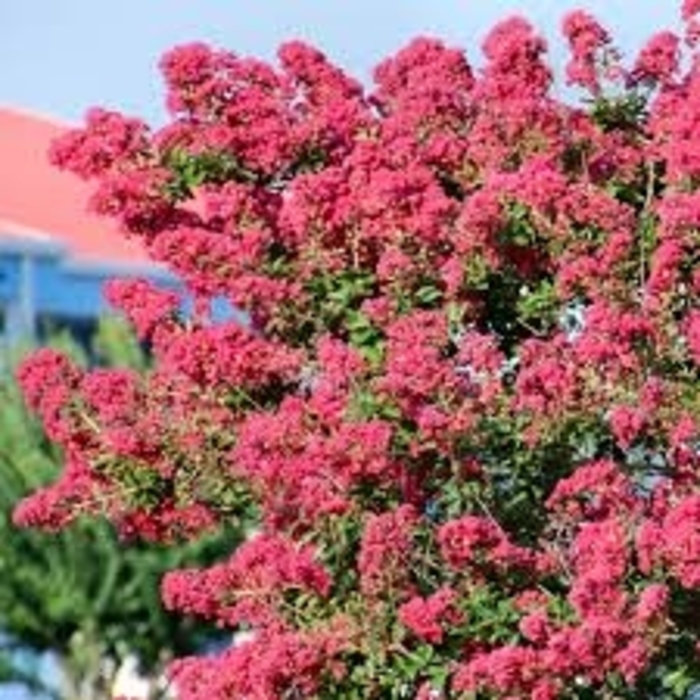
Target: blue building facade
(43, 289)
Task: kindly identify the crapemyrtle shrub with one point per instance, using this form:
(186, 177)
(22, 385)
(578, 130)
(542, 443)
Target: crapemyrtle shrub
(464, 409)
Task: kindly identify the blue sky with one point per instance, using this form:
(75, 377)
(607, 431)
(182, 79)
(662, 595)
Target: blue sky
(60, 57)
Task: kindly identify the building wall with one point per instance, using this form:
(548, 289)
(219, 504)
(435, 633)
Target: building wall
(42, 288)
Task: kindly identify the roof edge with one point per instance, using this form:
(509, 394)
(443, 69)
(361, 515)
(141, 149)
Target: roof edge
(38, 115)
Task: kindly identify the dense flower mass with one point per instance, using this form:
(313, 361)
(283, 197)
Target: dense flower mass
(462, 419)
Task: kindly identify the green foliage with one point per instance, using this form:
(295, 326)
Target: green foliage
(623, 112)
(190, 171)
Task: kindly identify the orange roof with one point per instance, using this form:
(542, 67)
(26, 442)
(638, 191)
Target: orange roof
(39, 202)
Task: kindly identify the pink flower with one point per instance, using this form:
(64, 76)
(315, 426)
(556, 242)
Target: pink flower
(626, 424)
(689, 8)
(658, 60)
(586, 39)
(653, 603)
(146, 306)
(385, 551)
(427, 617)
